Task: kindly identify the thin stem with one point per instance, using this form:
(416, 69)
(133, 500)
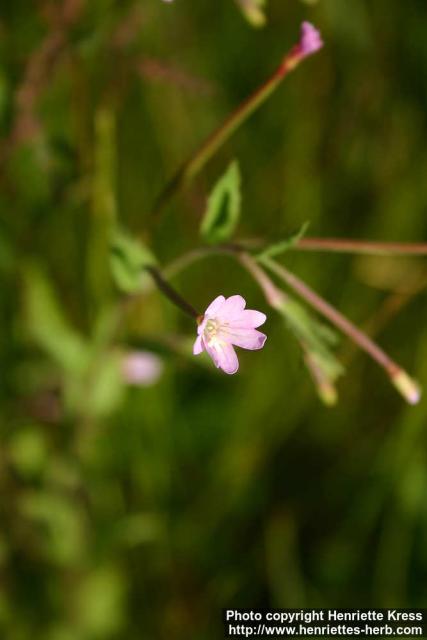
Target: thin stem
(339, 245)
(274, 296)
(171, 294)
(406, 386)
(398, 376)
(216, 139)
(187, 259)
(333, 315)
(278, 300)
(336, 245)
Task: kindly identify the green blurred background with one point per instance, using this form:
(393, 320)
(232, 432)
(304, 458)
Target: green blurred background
(139, 512)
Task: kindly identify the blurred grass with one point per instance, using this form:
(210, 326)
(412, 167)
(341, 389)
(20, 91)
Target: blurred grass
(130, 513)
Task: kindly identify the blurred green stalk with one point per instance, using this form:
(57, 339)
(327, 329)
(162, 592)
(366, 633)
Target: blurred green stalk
(211, 145)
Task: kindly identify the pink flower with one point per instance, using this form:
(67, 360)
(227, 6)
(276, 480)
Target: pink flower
(310, 40)
(226, 323)
(141, 368)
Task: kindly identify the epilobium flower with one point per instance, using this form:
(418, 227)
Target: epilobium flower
(226, 323)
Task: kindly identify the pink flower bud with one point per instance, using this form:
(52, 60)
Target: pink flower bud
(310, 40)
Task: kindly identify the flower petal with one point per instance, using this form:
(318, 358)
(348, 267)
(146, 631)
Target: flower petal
(245, 338)
(223, 355)
(248, 319)
(198, 346)
(232, 308)
(215, 306)
(202, 325)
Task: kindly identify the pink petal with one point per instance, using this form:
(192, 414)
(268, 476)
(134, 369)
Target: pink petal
(198, 346)
(248, 319)
(215, 306)
(245, 338)
(232, 308)
(202, 326)
(311, 40)
(224, 356)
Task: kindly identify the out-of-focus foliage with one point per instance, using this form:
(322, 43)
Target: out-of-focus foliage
(140, 512)
(254, 11)
(128, 260)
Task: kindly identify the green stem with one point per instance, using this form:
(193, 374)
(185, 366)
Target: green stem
(211, 145)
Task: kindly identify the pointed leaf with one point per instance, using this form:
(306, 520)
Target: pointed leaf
(128, 258)
(223, 209)
(50, 327)
(282, 246)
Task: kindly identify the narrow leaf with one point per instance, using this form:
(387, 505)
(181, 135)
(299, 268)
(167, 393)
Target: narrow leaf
(49, 326)
(312, 335)
(128, 259)
(282, 246)
(223, 208)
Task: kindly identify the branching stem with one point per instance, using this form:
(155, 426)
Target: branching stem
(334, 316)
(171, 294)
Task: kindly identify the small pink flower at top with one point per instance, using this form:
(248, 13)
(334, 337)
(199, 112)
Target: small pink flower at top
(310, 40)
(226, 323)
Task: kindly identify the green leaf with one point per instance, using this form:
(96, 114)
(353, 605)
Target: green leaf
(314, 335)
(100, 602)
(60, 524)
(107, 387)
(323, 381)
(128, 258)
(28, 451)
(316, 340)
(223, 208)
(49, 326)
(278, 248)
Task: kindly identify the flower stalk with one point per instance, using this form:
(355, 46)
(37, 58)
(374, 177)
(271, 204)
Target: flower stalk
(171, 294)
(310, 42)
(340, 245)
(400, 379)
(406, 386)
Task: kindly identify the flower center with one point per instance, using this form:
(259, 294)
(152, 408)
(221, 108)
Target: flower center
(211, 329)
